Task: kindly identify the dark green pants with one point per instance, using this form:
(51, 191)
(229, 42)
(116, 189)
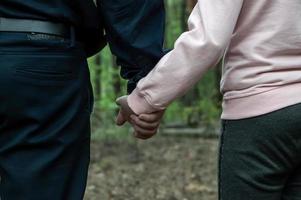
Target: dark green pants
(260, 157)
(45, 106)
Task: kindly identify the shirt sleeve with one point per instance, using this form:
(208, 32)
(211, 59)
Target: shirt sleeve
(135, 33)
(211, 25)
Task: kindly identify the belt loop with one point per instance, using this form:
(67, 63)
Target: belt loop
(72, 37)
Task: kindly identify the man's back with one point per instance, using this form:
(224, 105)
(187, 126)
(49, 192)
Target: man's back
(76, 12)
(45, 134)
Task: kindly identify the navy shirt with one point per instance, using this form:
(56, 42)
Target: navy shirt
(135, 32)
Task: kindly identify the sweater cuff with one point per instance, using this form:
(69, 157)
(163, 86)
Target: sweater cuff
(139, 104)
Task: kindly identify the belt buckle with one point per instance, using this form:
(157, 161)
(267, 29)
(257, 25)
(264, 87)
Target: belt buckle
(44, 37)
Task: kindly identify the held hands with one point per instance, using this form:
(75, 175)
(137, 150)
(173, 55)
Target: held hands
(145, 125)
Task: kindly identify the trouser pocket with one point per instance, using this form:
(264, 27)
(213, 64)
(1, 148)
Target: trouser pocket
(44, 69)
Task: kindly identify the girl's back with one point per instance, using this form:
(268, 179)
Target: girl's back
(263, 61)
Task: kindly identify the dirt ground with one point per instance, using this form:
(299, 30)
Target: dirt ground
(163, 168)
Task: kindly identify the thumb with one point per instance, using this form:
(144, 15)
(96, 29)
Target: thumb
(120, 100)
(120, 120)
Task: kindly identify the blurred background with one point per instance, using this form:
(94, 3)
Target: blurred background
(180, 163)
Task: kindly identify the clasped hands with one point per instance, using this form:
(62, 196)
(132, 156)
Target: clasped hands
(145, 125)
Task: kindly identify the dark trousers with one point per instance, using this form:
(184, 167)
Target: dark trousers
(260, 157)
(45, 105)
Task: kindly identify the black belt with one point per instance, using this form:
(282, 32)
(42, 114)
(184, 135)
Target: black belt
(34, 26)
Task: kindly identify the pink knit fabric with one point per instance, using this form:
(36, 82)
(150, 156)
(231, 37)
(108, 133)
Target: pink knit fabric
(261, 44)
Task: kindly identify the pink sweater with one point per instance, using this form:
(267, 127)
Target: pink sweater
(261, 44)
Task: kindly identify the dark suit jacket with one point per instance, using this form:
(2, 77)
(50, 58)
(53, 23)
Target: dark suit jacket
(135, 32)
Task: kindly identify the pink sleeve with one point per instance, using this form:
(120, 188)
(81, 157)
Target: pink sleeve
(211, 25)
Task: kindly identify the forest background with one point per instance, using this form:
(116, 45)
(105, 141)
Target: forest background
(180, 162)
(199, 108)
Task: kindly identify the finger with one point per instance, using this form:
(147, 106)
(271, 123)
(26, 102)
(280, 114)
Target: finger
(120, 120)
(152, 117)
(119, 101)
(139, 136)
(126, 110)
(143, 124)
(144, 132)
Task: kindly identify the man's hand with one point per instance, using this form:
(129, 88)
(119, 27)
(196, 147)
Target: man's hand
(145, 125)
(124, 112)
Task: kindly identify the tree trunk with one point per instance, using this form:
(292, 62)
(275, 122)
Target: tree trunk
(116, 78)
(218, 75)
(192, 95)
(97, 81)
(190, 5)
(184, 15)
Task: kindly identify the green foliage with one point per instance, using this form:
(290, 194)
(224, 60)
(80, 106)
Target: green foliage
(107, 77)
(201, 109)
(208, 102)
(112, 134)
(204, 110)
